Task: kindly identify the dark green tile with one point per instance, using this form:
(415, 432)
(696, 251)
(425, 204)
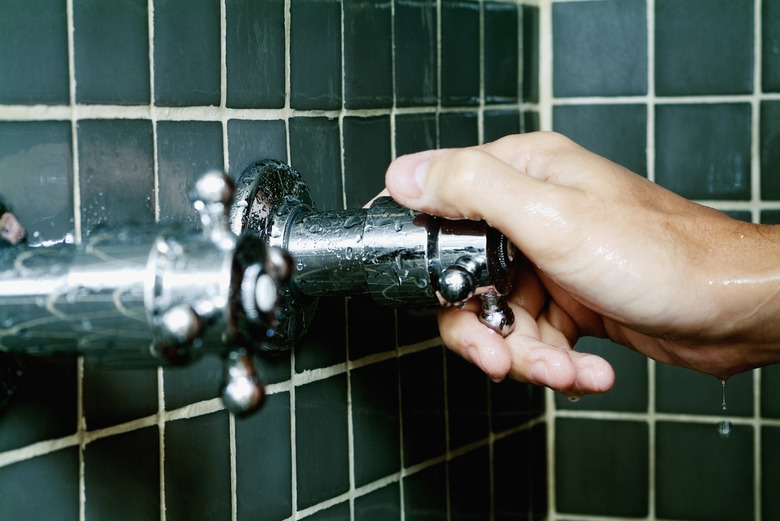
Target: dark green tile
(111, 52)
(315, 151)
(337, 512)
(114, 396)
(458, 129)
(469, 485)
(422, 405)
(45, 487)
(185, 151)
(530, 52)
(122, 476)
(198, 487)
(34, 52)
(520, 475)
(416, 56)
(366, 157)
(600, 48)
(720, 133)
(315, 54)
(325, 342)
(770, 216)
(415, 133)
(770, 46)
(321, 457)
(617, 132)
(688, 392)
(501, 52)
(425, 494)
(770, 150)
(42, 150)
(371, 327)
(383, 504)
(187, 56)
(702, 476)
(770, 472)
(416, 325)
(770, 387)
(531, 121)
(467, 399)
(460, 53)
(255, 53)
(514, 403)
(116, 172)
(703, 47)
(192, 383)
(630, 390)
(264, 462)
(43, 406)
(375, 421)
(368, 61)
(499, 123)
(596, 475)
(250, 141)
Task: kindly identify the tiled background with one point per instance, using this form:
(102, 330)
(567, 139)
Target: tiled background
(687, 93)
(109, 110)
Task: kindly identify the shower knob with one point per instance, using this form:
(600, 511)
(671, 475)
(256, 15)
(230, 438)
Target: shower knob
(400, 257)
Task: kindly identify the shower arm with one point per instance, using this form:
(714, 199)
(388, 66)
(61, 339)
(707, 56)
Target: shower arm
(248, 282)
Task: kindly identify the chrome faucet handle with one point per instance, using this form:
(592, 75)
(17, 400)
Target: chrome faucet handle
(400, 257)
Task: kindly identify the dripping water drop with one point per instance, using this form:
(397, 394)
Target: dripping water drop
(724, 428)
(723, 394)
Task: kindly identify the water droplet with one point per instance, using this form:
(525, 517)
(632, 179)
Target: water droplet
(349, 253)
(724, 428)
(352, 221)
(723, 394)
(299, 265)
(86, 324)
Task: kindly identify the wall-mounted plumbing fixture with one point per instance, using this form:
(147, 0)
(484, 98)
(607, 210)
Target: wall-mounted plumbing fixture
(248, 282)
(400, 257)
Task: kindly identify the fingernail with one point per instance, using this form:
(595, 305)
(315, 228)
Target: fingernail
(420, 173)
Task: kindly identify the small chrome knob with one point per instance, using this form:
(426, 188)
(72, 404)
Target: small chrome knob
(242, 391)
(457, 285)
(496, 314)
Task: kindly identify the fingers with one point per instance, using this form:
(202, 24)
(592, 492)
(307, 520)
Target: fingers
(535, 352)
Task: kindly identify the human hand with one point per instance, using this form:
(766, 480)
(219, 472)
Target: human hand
(609, 254)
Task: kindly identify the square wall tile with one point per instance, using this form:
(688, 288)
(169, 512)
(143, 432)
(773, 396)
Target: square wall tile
(499, 123)
(703, 47)
(315, 54)
(111, 52)
(416, 53)
(630, 390)
(716, 479)
(467, 399)
(197, 468)
(371, 327)
(264, 462)
(325, 342)
(530, 42)
(770, 216)
(770, 386)
(43, 406)
(415, 133)
(315, 151)
(253, 140)
(193, 382)
(617, 132)
(366, 157)
(36, 157)
(684, 391)
(469, 485)
(368, 61)
(597, 478)
(770, 46)
(375, 421)
(416, 325)
(599, 48)
(422, 405)
(514, 403)
(383, 504)
(770, 150)
(458, 129)
(114, 396)
(44, 487)
(116, 172)
(425, 494)
(321, 440)
(255, 53)
(520, 475)
(34, 45)
(122, 476)
(460, 52)
(501, 54)
(337, 512)
(720, 133)
(185, 151)
(187, 56)
(770, 472)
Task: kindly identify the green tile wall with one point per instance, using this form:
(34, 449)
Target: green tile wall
(110, 110)
(686, 93)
